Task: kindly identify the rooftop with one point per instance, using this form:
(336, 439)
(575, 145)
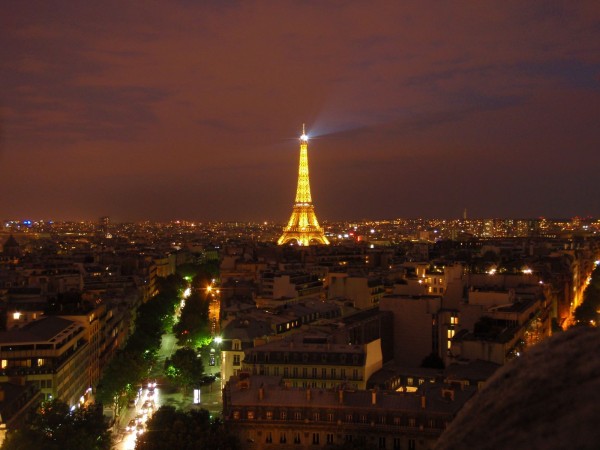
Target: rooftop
(246, 393)
(48, 328)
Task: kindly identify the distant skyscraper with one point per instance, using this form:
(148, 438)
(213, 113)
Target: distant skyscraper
(303, 226)
(103, 225)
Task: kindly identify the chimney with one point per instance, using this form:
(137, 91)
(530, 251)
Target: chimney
(423, 401)
(341, 396)
(261, 393)
(308, 395)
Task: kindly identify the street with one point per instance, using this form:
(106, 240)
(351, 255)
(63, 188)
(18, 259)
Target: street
(165, 394)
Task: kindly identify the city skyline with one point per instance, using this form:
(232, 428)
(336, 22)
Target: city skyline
(192, 111)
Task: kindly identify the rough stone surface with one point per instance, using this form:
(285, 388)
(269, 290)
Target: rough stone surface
(547, 399)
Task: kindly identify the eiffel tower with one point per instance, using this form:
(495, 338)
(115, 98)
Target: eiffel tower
(303, 226)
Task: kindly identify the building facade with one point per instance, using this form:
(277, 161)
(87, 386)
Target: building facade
(266, 414)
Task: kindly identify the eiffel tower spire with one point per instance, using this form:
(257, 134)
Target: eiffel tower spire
(303, 225)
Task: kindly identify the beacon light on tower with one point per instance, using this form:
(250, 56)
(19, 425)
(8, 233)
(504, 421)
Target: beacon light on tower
(304, 136)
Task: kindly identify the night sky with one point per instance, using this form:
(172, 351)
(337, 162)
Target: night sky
(160, 110)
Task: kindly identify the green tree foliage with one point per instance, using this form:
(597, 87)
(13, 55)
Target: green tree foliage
(133, 362)
(55, 427)
(185, 368)
(171, 429)
(193, 322)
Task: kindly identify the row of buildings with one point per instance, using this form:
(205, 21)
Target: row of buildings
(64, 315)
(412, 340)
(364, 341)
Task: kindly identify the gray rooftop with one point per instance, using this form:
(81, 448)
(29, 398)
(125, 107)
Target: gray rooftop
(44, 329)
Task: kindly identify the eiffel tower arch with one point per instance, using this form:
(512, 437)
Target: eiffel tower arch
(303, 226)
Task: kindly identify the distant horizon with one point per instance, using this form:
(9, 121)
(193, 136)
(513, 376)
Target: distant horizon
(283, 222)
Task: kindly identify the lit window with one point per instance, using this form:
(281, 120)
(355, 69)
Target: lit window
(40, 362)
(4, 363)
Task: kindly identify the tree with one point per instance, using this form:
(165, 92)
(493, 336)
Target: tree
(55, 427)
(185, 430)
(133, 362)
(193, 322)
(185, 368)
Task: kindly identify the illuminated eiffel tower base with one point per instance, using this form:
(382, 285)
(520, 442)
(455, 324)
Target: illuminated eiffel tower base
(303, 227)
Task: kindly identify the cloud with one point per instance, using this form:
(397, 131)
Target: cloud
(140, 90)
